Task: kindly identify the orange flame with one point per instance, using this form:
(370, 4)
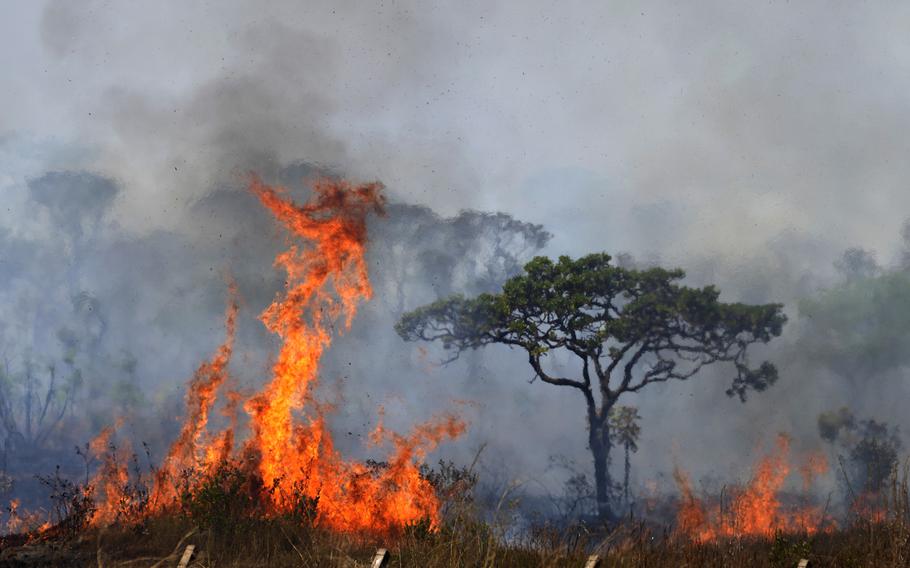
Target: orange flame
(14, 524)
(111, 480)
(816, 464)
(755, 510)
(191, 446)
(870, 506)
(290, 446)
(303, 455)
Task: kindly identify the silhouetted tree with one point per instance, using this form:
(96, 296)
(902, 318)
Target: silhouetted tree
(870, 446)
(859, 328)
(857, 264)
(628, 329)
(624, 423)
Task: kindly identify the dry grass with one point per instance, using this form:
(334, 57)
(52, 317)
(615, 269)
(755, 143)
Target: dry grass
(461, 542)
(226, 535)
(280, 543)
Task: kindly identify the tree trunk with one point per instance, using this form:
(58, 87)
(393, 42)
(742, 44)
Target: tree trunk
(599, 441)
(625, 480)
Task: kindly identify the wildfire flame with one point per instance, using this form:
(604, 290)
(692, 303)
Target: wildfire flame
(290, 447)
(112, 478)
(755, 510)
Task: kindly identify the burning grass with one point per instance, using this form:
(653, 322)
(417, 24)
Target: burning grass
(278, 493)
(755, 510)
(460, 541)
(227, 514)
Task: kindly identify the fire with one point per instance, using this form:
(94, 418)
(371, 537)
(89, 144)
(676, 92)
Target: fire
(14, 523)
(290, 447)
(326, 281)
(816, 464)
(192, 446)
(870, 507)
(24, 522)
(111, 480)
(755, 510)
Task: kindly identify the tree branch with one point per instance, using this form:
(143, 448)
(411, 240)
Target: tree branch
(558, 381)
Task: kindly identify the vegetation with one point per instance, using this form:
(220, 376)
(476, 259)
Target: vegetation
(623, 327)
(860, 328)
(867, 450)
(627, 328)
(228, 530)
(624, 423)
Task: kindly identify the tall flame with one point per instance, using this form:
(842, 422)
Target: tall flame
(192, 446)
(290, 446)
(326, 280)
(334, 226)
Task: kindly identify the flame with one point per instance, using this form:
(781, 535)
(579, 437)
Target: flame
(192, 446)
(327, 280)
(816, 465)
(110, 482)
(28, 523)
(870, 506)
(290, 447)
(755, 510)
(14, 523)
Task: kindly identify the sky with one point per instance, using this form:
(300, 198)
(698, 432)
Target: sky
(749, 143)
(729, 122)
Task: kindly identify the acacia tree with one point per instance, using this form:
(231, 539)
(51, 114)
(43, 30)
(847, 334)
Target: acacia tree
(627, 328)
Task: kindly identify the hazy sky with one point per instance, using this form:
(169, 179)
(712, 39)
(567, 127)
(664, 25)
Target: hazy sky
(748, 142)
(620, 125)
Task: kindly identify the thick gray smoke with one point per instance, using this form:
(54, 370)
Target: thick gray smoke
(748, 144)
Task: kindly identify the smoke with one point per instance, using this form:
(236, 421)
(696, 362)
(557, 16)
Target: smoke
(750, 145)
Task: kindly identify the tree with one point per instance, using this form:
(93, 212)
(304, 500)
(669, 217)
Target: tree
(624, 423)
(859, 328)
(38, 390)
(871, 446)
(857, 264)
(626, 328)
(31, 409)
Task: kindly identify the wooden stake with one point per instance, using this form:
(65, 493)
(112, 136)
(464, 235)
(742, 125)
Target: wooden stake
(804, 563)
(187, 554)
(380, 559)
(593, 561)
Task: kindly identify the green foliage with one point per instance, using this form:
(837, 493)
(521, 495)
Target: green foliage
(870, 446)
(861, 326)
(605, 313)
(625, 427)
(305, 507)
(220, 500)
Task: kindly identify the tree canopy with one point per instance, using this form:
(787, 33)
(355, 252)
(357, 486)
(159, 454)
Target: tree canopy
(613, 318)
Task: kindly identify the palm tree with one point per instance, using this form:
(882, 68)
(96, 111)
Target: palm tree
(624, 424)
